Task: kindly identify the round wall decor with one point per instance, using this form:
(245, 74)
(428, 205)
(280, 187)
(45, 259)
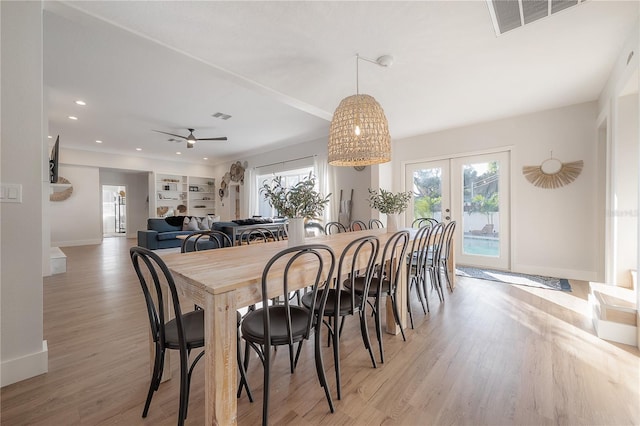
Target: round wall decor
(61, 195)
(553, 173)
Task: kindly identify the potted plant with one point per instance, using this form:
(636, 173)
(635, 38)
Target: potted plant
(298, 203)
(390, 204)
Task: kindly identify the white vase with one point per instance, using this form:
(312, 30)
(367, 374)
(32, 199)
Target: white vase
(296, 231)
(392, 223)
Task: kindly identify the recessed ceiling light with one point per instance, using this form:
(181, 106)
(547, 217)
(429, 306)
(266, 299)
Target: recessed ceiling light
(204, 158)
(50, 137)
(72, 117)
(138, 149)
(79, 102)
(98, 141)
(179, 153)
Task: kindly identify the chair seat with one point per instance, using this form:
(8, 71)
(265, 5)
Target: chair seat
(253, 325)
(193, 323)
(345, 302)
(359, 284)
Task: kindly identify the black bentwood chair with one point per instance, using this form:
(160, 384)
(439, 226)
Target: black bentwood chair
(341, 302)
(334, 228)
(183, 333)
(287, 324)
(417, 269)
(385, 281)
(205, 240)
(375, 223)
(357, 225)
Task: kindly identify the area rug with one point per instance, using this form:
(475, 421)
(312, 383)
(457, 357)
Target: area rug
(550, 283)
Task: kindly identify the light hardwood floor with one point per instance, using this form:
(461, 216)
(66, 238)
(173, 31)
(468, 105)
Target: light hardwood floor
(492, 354)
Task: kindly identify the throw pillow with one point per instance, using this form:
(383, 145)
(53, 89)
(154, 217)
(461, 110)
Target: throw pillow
(211, 220)
(203, 225)
(193, 225)
(185, 223)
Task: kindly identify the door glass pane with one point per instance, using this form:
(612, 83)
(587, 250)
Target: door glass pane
(427, 193)
(481, 218)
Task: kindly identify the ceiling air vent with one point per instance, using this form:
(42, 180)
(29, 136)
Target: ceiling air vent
(510, 14)
(221, 116)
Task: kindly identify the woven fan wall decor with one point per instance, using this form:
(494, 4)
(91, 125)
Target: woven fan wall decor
(553, 173)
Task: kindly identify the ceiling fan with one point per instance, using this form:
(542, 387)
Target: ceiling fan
(191, 140)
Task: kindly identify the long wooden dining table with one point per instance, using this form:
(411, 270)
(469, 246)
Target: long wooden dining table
(224, 280)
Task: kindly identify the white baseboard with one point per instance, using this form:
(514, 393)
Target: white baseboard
(571, 274)
(90, 242)
(25, 367)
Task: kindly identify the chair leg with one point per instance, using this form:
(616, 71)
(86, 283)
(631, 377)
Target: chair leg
(320, 367)
(336, 358)
(396, 316)
(379, 328)
(193, 364)
(422, 288)
(365, 337)
(265, 397)
(295, 363)
(445, 263)
(409, 310)
(184, 387)
(156, 376)
(243, 373)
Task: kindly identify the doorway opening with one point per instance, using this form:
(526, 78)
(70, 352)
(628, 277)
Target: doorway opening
(114, 211)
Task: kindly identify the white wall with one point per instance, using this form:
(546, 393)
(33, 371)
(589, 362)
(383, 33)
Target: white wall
(78, 219)
(23, 352)
(552, 229)
(625, 212)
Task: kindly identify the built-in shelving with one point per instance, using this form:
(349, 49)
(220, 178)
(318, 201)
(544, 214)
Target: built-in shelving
(177, 195)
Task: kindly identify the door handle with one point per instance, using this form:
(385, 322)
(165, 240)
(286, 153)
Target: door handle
(447, 217)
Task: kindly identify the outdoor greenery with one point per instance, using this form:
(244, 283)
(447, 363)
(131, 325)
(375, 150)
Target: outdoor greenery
(299, 200)
(387, 202)
(480, 191)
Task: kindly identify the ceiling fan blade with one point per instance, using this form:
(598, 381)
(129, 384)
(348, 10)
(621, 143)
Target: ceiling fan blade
(223, 138)
(170, 134)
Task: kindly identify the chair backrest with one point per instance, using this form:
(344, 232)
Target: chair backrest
(357, 225)
(257, 235)
(205, 240)
(447, 237)
(313, 229)
(435, 243)
(154, 274)
(319, 262)
(375, 223)
(334, 228)
(363, 252)
(424, 221)
(392, 260)
(417, 255)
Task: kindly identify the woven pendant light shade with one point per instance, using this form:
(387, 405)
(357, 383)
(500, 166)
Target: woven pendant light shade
(371, 146)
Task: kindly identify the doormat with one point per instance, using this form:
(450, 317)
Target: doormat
(560, 284)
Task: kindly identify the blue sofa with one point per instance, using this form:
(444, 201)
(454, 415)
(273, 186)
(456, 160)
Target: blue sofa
(163, 232)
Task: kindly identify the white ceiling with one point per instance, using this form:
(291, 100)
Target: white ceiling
(280, 68)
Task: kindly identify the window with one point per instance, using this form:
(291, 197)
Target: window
(290, 177)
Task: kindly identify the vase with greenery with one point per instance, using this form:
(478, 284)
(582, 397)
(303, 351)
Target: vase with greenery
(389, 203)
(297, 202)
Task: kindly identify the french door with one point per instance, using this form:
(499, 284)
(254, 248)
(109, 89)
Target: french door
(473, 191)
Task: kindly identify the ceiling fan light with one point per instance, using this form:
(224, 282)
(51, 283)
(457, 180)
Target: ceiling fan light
(370, 145)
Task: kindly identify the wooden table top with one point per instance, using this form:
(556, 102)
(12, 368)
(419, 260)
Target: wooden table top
(236, 268)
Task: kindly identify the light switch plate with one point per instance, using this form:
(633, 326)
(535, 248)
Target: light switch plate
(11, 193)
